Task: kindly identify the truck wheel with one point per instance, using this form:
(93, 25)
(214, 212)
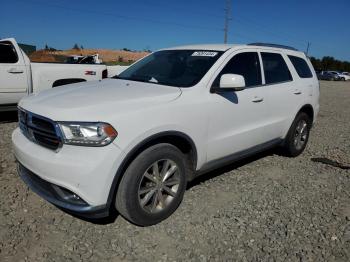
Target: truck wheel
(298, 135)
(153, 185)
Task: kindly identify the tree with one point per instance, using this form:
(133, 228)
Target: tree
(46, 47)
(330, 63)
(81, 47)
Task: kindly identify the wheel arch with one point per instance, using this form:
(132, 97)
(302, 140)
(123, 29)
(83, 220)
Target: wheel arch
(182, 141)
(309, 110)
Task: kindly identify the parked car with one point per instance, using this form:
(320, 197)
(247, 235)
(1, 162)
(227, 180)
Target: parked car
(342, 76)
(134, 141)
(19, 77)
(328, 75)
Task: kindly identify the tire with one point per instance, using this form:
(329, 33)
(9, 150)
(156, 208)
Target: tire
(141, 181)
(295, 142)
(342, 79)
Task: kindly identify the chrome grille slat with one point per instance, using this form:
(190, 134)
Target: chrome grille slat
(40, 130)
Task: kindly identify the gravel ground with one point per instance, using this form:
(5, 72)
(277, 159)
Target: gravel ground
(266, 208)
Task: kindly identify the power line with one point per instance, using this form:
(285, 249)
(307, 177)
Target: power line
(124, 17)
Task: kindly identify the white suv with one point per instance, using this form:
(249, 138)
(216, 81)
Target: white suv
(133, 142)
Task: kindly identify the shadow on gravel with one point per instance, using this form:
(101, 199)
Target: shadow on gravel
(113, 215)
(8, 117)
(329, 162)
(222, 170)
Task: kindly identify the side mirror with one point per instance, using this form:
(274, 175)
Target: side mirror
(232, 82)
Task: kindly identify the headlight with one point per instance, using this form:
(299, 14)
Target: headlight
(87, 134)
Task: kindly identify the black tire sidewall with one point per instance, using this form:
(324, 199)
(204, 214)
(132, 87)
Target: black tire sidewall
(291, 150)
(128, 189)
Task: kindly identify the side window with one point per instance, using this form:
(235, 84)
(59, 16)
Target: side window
(275, 68)
(8, 53)
(301, 66)
(245, 64)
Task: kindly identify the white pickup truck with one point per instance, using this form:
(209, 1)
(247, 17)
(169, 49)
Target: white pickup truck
(19, 77)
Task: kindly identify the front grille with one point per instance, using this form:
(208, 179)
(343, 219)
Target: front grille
(39, 129)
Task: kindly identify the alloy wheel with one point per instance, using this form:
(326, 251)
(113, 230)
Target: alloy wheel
(159, 186)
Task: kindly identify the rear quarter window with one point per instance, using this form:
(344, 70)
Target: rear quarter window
(301, 66)
(8, 53)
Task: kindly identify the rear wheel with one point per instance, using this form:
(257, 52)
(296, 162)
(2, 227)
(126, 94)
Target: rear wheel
(153, 185)
(298, 135)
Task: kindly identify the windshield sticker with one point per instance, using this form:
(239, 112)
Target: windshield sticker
(204, 53)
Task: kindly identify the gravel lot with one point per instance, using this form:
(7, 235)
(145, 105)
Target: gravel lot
(268, 208)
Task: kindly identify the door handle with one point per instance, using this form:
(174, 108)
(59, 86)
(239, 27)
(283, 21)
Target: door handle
(15, 71)
(297, 92)
(257, 99)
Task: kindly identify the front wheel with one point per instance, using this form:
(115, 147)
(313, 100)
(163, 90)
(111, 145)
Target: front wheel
(153, 185)
(298, 135)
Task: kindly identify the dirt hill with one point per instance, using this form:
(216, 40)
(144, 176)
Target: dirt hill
(107, 55)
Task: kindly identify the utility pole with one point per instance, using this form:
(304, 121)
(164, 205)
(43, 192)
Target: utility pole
(227, 19)
(307, 49)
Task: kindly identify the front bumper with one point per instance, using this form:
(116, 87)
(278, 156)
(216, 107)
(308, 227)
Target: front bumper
(87, 172)
(54, 194)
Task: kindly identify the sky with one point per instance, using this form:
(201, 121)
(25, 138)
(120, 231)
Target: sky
(155, 24)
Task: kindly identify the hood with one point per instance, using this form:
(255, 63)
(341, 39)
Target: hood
(87, 101)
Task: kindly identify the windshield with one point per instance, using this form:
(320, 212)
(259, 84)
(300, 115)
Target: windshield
(180, 68)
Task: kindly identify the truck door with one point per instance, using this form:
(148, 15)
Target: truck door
(13, 72)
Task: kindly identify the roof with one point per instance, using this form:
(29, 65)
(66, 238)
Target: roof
(225, 47)
(216, 47)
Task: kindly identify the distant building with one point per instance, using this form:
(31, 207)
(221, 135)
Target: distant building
(28, 49)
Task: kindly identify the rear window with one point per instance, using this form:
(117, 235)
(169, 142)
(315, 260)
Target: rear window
(8, 53)
(275, 68)
(301, 66)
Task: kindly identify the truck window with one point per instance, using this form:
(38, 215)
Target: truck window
(275, 68)
(301, 66)
(8, 53)
(244, 64)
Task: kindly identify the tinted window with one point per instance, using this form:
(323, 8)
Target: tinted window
(301, 66)
(275, 68)
(245, 64)
(7, 53)
(181, 68)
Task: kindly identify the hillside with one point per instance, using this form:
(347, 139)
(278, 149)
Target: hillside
(107, 55)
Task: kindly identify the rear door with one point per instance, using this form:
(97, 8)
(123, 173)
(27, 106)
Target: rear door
(283, 95)
(13, 73)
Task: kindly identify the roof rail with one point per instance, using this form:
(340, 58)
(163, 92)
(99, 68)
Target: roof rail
(274, 45)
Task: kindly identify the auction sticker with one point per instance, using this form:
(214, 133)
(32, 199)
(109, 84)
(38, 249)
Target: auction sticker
(204, 53)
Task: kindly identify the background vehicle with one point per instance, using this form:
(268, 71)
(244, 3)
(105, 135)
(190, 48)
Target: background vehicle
(327, 75)
(341, 76)
(89, 59)
(134, 141)
(19, 77)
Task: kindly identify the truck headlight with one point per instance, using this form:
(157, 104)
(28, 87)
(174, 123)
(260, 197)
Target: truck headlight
(87, 134)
